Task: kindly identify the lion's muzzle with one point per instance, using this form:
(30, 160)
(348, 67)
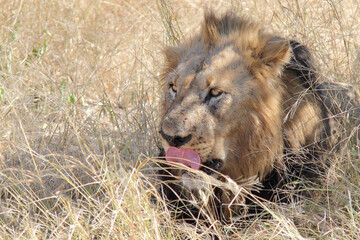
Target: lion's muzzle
(175, 141)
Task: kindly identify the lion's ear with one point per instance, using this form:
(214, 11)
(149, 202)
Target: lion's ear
(173, 56)
(276, 53)
(273, 53)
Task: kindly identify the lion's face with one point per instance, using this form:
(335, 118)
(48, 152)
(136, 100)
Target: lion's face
(216, 99)
(200, 96)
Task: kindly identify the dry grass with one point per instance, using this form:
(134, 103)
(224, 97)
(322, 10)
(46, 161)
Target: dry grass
(79, 93)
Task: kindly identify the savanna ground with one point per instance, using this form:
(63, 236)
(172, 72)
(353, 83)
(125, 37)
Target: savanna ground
(79, 95)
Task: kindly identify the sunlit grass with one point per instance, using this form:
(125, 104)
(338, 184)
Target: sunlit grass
(79, 95)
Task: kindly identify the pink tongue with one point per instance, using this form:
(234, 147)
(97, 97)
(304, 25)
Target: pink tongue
(185, 156)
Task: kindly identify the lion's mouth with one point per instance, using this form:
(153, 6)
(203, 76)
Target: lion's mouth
(191, 158)
(186, 156)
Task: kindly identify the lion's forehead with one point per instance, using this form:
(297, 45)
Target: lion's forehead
(222, 65)
(224, 58)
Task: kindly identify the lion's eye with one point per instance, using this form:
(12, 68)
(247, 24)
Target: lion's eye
(214, 92)
(173, 87)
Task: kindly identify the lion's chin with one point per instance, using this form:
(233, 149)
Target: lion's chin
(189, 181)
(197, 181)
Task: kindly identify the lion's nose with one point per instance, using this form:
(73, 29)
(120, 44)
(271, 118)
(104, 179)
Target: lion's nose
(175, 141)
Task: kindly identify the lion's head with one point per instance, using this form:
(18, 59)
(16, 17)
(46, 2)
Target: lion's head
(222, 98)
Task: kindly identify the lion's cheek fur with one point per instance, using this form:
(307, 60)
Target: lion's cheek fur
(255, 141)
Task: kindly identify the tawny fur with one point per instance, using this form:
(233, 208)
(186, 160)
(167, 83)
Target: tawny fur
(266, 109)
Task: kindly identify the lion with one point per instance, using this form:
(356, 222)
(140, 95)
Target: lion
(242, 103)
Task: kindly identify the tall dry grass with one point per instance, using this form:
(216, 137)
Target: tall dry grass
(79, 94)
